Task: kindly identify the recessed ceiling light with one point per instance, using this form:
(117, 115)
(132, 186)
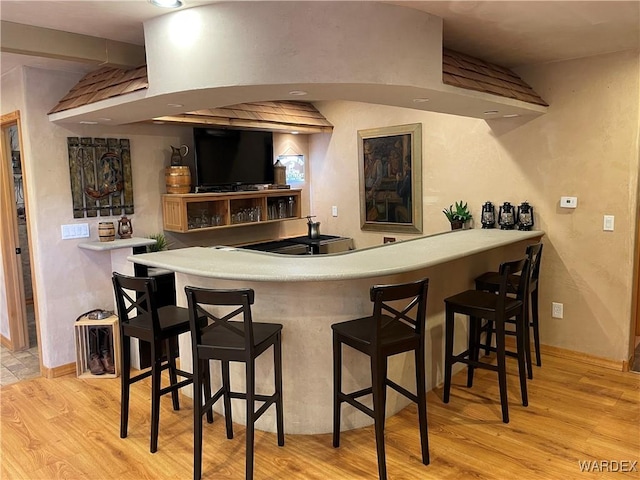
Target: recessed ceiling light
(175, 105)
(166, 3)
(295, 132)
(511, 115)
(420, 100)
(104, 119)
(88, 122)
(491, 112)
(297, 93)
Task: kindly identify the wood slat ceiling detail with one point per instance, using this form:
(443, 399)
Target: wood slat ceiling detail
(463, 71)
(458, 70)
(274, 116)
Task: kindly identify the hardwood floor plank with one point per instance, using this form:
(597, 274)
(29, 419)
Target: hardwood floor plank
(69, 428)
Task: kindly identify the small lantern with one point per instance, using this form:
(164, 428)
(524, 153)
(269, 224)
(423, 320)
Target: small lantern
(525, 216)
(125, 229)
(488, 215)
(279, 173)
(507, 217)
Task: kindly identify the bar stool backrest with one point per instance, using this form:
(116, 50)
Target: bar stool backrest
(242, 299)
(534, 253)
(510, 283)
(136, 298)
(413, 313)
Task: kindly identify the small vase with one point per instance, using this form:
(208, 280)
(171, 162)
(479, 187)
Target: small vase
(457, 225)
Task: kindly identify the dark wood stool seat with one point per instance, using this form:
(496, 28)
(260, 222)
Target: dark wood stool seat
(158, 326)
(215, 337)
(490, 281)
(496, 309)
(389, 331)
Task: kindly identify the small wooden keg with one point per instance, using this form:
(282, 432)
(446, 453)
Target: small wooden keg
(106, 231)
(178, 179)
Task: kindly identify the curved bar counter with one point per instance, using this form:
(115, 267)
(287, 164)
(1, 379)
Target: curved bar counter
(308, 293)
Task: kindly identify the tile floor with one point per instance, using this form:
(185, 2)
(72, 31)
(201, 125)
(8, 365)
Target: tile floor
(16, 366)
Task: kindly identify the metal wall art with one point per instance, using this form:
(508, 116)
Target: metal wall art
(100, 173)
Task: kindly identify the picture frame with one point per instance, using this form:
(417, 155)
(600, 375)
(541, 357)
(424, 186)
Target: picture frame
(390, 172)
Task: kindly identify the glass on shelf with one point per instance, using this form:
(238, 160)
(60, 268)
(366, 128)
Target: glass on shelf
(290, 208)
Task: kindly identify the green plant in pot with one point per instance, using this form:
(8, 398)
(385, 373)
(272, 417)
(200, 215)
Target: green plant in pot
(457, 216)
(160, 245)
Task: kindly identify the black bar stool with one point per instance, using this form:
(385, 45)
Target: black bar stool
(157, 326)
(230, 341)
(387, 332)
(478, 305)
(490, 281)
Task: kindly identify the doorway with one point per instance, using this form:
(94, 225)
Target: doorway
(19, 346)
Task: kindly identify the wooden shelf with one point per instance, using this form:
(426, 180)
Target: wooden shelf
(197, 212)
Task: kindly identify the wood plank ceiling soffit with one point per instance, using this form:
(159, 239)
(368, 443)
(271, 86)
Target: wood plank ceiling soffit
(458, 70)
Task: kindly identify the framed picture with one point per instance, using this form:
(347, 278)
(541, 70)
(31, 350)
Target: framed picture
(390, 167)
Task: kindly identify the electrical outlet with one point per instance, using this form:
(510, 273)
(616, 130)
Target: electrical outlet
(557, 310)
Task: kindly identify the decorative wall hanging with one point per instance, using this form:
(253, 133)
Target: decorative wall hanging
(100, 172)
(390, 167)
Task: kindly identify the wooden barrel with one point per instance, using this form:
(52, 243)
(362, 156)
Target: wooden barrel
(106, 231)
(178, 179)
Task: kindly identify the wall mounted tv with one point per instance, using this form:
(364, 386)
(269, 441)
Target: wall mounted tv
(232, 159)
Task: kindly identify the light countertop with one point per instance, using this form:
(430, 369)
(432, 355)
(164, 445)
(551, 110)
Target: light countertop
(117, 243)
(231, 263)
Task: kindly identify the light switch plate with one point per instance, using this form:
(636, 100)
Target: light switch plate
(608, 224)
(76, 230)
(334, 211)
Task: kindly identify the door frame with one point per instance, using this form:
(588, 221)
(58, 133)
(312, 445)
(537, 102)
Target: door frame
(9, 243)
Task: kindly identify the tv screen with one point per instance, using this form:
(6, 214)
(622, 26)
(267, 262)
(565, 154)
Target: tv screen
(229, 158)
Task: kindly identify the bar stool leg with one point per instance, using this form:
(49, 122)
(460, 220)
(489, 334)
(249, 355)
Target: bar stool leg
(502, 369)
(226, 385)
(173, 377)
(197, 418)
(251, 387)
(448, 354)
(522, 327)
(277, 357)
(337, 389)
(378, 376)
(536, 330)
(421, 388)
(124, 385)
(473, 347)
(156, 372)
(527, 341)
(205, 378)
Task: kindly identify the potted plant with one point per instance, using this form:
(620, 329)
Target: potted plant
(160, 245)
(457, 216)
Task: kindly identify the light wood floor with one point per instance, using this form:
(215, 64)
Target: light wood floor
(68, 428)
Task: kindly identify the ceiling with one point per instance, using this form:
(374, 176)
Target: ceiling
(507, 33)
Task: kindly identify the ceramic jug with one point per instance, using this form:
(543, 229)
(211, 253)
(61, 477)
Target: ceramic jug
(177, 155)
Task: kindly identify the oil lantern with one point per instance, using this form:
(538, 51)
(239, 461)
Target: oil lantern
(525, 216)
(507, 216)
(488, 215)
(125, 229)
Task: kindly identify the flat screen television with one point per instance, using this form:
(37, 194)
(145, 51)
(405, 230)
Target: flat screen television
(232, 159)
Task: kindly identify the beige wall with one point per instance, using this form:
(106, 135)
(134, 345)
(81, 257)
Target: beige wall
(585, 146)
